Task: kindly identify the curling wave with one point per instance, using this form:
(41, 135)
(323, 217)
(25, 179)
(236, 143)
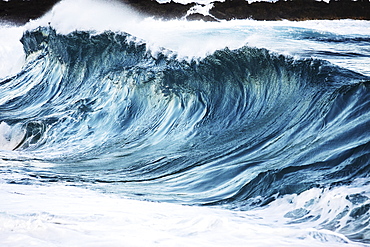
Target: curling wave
(238, 128)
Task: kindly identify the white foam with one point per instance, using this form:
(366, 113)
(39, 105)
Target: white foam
(10, 136)
(201, 9)
(11, 50)
(61, 215)
(320, 208)
(187, 39)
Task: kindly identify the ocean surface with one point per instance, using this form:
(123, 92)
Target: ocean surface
(119, 130)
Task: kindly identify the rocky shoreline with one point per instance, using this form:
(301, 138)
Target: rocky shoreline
(20, 12)
(241, 9)
(293, 10)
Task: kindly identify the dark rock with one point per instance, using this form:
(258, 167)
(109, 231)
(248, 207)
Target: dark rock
(198, 17)
(19, 11)
(292, 10)
(240, 9)
(164, 11)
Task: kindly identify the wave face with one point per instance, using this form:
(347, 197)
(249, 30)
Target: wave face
(240, 128)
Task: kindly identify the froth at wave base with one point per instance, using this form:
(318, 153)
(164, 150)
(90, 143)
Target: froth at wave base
(262, 148)
(78, 217)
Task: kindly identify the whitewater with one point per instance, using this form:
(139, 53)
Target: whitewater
(120, 130)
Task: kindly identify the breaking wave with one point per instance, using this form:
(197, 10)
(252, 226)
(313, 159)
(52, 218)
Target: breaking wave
(239, 128)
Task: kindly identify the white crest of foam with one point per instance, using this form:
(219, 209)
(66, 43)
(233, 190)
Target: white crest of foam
(186, 38)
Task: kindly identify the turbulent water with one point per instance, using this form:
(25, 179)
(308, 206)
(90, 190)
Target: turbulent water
(260, 144)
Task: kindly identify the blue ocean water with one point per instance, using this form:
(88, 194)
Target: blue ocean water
(262, 131)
